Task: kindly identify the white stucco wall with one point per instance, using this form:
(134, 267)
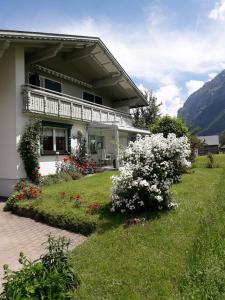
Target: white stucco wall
(11, 77)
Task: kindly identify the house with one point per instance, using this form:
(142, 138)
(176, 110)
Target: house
(222, 149)
(210, 144)
(75, 85)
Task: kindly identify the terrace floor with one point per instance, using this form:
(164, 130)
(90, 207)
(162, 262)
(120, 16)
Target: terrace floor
(19, 234)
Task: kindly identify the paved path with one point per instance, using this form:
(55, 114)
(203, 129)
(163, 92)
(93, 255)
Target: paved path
(18, 234)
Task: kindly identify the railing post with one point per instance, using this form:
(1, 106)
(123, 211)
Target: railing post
(71, 110)
(117, 141)
(59, 108)
(45, 104)
(92, 114)
(28, 100)
(82, 112)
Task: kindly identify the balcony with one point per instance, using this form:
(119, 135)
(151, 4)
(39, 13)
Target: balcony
(45, 102)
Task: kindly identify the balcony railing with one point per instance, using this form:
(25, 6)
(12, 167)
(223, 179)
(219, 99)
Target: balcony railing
(45, 102)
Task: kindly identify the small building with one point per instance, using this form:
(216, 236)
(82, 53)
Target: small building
(210, 144)
(222, 149)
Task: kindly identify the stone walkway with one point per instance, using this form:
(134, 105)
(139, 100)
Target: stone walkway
(18, 234)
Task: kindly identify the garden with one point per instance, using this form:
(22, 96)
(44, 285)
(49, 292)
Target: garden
(156, 226)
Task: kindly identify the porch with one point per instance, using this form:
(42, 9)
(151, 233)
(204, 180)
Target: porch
(107, 141)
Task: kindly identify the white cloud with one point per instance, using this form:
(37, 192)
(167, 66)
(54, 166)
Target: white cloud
(156, 52)
(193, 85)
(142, 88)
(170, 97)
(212, 76)
(155, 55)
(218, 12)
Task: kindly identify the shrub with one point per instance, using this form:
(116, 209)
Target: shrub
(83, 224)
(77, 200)
(51, 277)
(59, 177)
(210, 163)
(150, 165)
(167, 125)
(72, 165)
(29, 149)
(23, 190)
(94, 208)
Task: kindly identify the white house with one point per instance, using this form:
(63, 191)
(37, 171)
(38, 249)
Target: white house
(73, 83)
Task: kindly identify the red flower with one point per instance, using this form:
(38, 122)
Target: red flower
(62, 194)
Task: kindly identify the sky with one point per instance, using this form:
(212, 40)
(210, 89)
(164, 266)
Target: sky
(171, 47)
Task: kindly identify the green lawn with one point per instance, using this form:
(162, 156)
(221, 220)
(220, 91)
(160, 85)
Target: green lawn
(58, 210)
(175, 255)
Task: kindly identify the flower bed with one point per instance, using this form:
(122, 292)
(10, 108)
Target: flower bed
(150, 165)
(72, 164)
(23, 191)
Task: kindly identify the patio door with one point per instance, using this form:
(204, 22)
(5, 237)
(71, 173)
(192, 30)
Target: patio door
(96, 146)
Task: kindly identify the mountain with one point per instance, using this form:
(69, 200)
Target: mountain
(205, 108)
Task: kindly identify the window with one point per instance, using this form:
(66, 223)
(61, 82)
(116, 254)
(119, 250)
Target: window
(92, 98)
(60, 140)
(47, 139)
(55, 139)
(33, 79)
(88, 97)
(98, 100)
(52, 85)
(95, 143)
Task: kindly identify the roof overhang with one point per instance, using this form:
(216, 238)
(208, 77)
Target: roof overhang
(120, 128)
(74, 48)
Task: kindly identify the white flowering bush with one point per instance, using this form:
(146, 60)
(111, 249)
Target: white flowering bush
(150, 165)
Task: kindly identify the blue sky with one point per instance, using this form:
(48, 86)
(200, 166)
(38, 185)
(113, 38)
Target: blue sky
(169, 46)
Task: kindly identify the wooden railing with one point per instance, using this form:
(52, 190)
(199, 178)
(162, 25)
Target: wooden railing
(42, 101)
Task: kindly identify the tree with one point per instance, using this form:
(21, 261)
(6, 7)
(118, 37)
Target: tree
(195, 143)
(145, 116)
(168, 125)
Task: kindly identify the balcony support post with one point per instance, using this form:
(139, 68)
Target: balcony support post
(117, 141)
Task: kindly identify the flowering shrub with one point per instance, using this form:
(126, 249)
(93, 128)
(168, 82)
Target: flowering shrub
(71, 164)
(77, 200)
(23, 191)
(94, 208)
(26, 190)
(29, 149)
(150, 165)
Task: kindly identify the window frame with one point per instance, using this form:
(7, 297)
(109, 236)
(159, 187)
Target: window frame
(42, 81)
(99, 139)
(54, 127)
(94, 94)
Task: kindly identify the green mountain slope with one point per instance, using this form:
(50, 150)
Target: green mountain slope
(205, 108)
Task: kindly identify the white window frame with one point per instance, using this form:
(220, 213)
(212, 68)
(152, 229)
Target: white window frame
(42, 82)
(54, 137)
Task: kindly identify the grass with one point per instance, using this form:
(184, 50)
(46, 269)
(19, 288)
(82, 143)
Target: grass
(175, 255)
(202, 161)
(151, 261)
(57, 210)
